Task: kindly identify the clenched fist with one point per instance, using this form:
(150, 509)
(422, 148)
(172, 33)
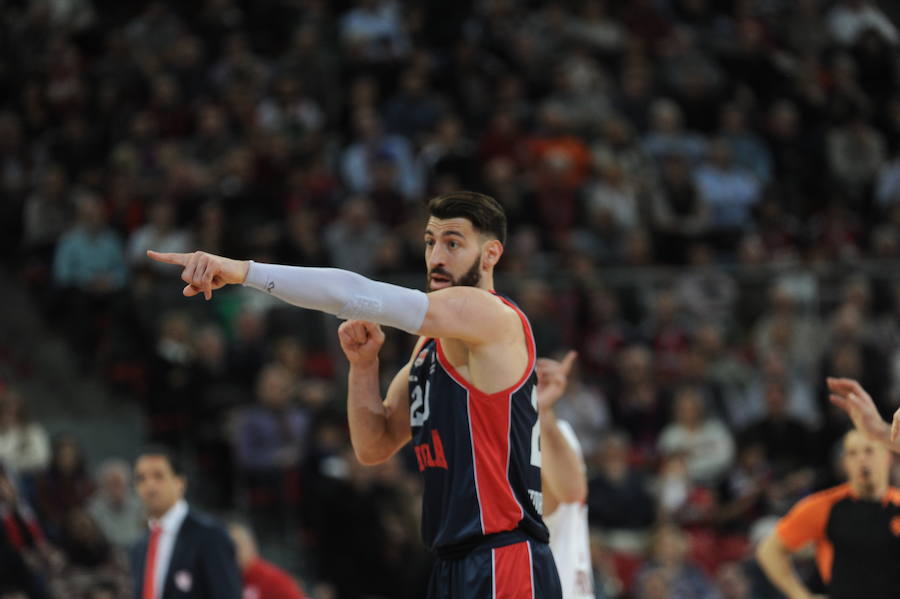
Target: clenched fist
(361, 341)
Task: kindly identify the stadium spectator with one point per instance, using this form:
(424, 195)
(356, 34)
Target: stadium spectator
(114, 508)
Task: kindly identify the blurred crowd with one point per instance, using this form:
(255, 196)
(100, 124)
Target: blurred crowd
(704, 200)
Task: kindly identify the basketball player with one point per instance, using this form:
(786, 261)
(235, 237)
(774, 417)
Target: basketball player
(849, 395)
(467, 398)
(564, 484)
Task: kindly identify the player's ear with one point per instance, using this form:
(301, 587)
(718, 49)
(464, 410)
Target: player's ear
(491, 253)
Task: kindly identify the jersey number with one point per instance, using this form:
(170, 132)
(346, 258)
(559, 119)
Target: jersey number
(417, 413)
(535, 432)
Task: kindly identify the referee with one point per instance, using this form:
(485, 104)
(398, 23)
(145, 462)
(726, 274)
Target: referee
(855, 528)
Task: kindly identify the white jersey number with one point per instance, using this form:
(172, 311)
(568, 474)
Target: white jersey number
(417, 413)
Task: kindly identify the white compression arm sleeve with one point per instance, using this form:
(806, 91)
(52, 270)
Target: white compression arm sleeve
(342, 293)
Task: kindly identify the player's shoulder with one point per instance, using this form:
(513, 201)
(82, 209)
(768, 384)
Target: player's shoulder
(825, 498)
(419, 345)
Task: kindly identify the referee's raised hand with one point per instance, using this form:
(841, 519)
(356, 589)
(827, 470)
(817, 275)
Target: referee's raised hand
(204, 273)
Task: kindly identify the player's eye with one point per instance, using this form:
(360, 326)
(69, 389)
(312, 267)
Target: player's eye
(453, 245)
(429, 242)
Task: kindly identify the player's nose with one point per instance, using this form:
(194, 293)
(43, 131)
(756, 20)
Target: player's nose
(437, 258)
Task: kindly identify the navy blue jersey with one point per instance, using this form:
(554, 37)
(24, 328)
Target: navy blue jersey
(479, 452)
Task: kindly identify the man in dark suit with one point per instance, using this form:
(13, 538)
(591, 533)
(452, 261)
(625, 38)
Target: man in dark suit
(185, 553)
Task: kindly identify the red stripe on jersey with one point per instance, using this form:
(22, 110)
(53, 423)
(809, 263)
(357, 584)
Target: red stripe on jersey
(489, 419)
(489, 425)
(513, 572)
(529, 339)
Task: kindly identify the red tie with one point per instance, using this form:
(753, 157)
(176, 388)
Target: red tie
(150, 564)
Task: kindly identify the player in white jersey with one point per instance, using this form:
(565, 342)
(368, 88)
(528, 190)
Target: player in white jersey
(564, 482)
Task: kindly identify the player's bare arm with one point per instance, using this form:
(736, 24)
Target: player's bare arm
(562, 470)
(850, 396)
(378, 429)
(469, 314)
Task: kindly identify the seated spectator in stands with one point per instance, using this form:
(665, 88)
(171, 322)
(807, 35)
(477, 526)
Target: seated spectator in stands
(667, 134)
(89, 558)
(856, 152)
(706, 443)
(733, 582)
(47, 213)
(374, 31)
(64, 486)
(24, 447)
(385, 195)
(727, 370)
(618, 495)
(114, 508)
(670, 565)
(450, 153)
(730, 190)
(371, 142)
(352, 240)
(89, 257)
(173, 379)
(666, 334)
(680, 499)
(25, 554)
(415, 109)
(88, 270)
(743, 491)
(159, 232)
(748, 150)
(270, 439)
(784, 439)
(707, 293)
(638, 403)
(290, 111)
(787, 330)
(613, 193)
(502, 138)
(678, 213)
(261, 579)
(555, 143)
(604, 332)
(774, 369)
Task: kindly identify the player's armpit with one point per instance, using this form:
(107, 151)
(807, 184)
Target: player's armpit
(469, 314)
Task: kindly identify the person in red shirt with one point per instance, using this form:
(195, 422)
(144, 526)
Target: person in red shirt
(261, 579)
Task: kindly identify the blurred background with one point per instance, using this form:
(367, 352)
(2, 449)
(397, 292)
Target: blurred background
(704, 201)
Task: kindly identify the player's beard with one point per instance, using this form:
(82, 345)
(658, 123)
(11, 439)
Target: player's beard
(471, 278)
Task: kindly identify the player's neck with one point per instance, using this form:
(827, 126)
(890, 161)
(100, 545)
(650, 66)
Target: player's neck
(487, 282)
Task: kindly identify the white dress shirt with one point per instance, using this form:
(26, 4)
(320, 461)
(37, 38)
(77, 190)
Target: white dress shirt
(171, 523)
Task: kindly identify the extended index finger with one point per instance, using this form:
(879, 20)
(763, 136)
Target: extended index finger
(568, 361)
(169, 257)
